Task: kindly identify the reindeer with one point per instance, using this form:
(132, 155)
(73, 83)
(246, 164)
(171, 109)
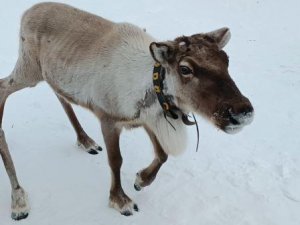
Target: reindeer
(127, 79)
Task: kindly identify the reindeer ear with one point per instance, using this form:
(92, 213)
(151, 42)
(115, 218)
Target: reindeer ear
(221, 36)
(161, 51)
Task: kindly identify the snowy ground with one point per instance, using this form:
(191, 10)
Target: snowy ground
(252, 178)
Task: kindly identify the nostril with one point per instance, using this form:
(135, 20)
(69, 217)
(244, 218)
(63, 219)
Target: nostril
(233, 120)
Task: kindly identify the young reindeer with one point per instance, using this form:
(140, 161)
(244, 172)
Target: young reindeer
(107, 68)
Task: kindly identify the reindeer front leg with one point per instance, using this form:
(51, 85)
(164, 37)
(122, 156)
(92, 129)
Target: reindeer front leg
(146, 176)
(118, 199)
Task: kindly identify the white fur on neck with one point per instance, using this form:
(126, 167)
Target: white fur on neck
(125, 82)
(173, 141)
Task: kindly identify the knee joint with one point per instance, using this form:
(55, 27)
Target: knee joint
(163, 158)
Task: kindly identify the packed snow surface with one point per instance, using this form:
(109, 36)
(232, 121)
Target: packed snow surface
(251, 178)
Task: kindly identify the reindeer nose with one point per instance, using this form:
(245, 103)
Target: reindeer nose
(241, 108)
(241, 114)
(248, 109)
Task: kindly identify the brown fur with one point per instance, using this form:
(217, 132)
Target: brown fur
(210, 90)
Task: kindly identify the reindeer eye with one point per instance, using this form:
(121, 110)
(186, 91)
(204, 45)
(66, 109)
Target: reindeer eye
(184, 70)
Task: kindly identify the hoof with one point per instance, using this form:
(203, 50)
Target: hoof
(90, 147)
(126, 213)
(19, 216)
(137, 187)
(135, 207)
(20, 206)
(138, 182)
(123, 204)
(129, 212)
(93, 152)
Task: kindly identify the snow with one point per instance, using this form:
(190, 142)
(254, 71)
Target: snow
(249, 178)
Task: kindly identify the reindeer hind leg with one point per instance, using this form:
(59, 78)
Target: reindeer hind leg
(19, 205)
(27, 73)
(83, 140)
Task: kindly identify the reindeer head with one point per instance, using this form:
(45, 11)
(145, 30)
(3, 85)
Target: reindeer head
(199, 70)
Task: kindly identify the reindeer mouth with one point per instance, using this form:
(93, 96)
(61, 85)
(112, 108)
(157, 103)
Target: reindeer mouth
(232, 123)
